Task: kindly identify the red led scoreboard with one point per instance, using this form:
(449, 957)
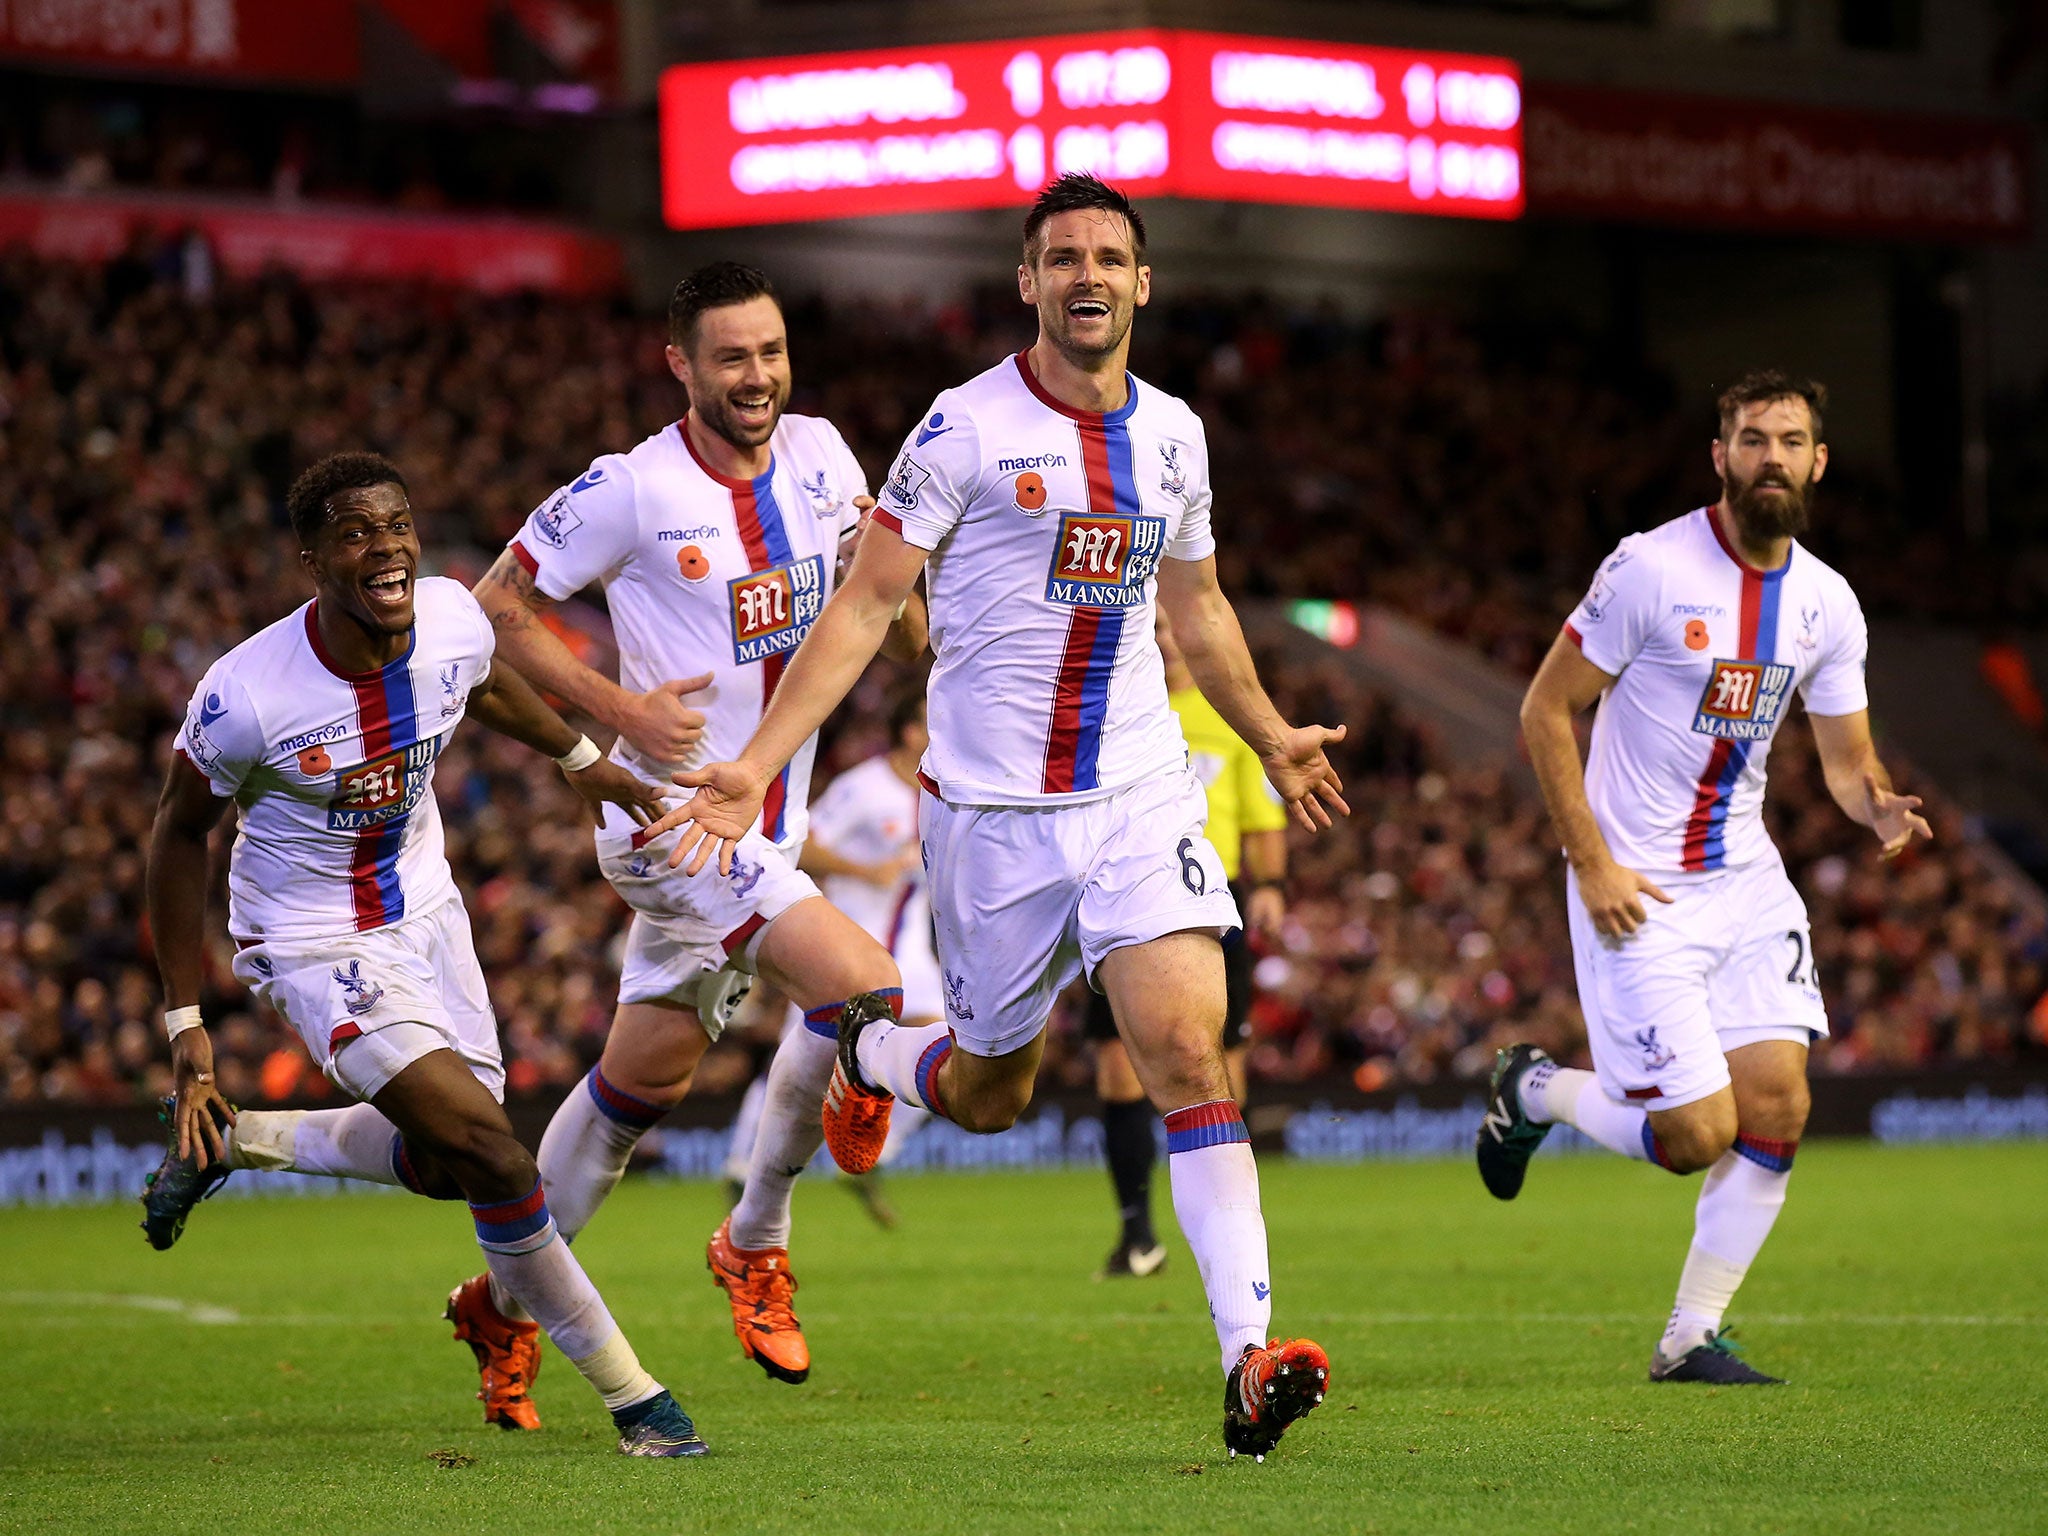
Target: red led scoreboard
(1190, 114)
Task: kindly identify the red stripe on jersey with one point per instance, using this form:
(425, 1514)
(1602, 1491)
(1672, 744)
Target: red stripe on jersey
(887, 519)
(1063, 735)
(777, 798)
(373, 717)
(1575, 637)
(1707, 793)
(525, 558)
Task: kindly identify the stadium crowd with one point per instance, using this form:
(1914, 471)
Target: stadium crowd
(148, 429)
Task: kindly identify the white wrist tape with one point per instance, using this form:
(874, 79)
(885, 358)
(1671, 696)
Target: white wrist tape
(579, 757)
(178, 1020)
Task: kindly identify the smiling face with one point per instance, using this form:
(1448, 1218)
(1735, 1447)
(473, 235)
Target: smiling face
(1769, 461)
(1086, 282)
(736, 370)
(365, 560)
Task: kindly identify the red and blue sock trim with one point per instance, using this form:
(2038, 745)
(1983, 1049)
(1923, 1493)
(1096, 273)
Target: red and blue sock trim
(824, 1022)
(1766, 1153)
(1214, 1124)
(619, 1105)
(927, 1074)
(515, 1226)
(402, 1165)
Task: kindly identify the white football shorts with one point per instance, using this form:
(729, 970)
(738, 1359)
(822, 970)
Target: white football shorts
(693, 938)
(1727, 964)
(1023, 897)
(368, 1005)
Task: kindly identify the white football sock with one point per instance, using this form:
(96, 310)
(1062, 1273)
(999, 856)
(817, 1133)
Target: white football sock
(790, 1133)
(1578, 1100)
(352, 1143)
(905, 1061)
(1216, 1201)
(528, 1258)
(746, 1128)
(583, 1155)
(1739, 1203)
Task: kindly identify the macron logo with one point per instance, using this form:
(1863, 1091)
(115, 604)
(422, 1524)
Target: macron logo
(1036, 461)
(936, 427)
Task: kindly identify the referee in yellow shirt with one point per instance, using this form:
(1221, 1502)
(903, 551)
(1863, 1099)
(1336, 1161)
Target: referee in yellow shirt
(1248, 825)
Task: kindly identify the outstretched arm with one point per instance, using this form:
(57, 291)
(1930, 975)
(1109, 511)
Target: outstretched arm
(656, 723)
(506, 703)
(1857, 779)
(176, 896)
(1210, 639)
(841, 643)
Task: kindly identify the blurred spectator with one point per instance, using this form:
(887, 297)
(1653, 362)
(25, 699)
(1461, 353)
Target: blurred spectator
(150, 422)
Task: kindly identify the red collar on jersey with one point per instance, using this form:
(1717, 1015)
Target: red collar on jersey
(1721, 538)
(1046, 397)
(683, 431)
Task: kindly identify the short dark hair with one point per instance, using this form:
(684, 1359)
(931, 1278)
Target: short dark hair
(1073, 192)
(307, 501)
(713, 287)
(1760, 386)
(903, 708)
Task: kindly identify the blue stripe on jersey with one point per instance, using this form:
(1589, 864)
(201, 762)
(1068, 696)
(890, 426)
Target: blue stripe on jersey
(1123, 477)
(773, 534)
(1109, 631)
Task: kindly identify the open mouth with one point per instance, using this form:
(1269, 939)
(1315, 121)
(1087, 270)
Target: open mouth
(389, 589)
(752, 410)
(1088, 309)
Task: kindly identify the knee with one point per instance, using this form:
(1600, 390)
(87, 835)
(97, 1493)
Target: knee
(988, 1108)
(488, 1162)
(425, 1174)
(1779, 1112)
(1692, 1142)
(1183, 1065)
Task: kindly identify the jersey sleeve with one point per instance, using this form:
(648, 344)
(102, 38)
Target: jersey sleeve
(853, 478)
(222, 736)
(1613, 619)
(479, 622)
(1259, 806)
(935, 478)
(1195, 539)
(1836, 684)
(582, 533)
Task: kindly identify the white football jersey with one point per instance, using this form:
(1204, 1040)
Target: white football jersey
(703, 573)
(1046, 527)
(332, 772)
(869, 815)
(1707, 652)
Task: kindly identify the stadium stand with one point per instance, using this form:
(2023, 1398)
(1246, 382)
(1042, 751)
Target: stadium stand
(151, 425)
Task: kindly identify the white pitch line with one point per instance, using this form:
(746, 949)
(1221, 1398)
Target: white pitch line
(173, 1307)
(1479, 1319)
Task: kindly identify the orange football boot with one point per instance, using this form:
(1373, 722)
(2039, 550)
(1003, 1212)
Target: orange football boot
(1268, 1389)
(758, 1284)
(856, 1117)
(507, 1354)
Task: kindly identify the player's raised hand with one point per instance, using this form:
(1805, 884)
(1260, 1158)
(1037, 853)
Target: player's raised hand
(660, 725)
(1896, 819)
(724, 810)
(199, 1110)
(1613, 897)
(605, 782)
(1303, 778)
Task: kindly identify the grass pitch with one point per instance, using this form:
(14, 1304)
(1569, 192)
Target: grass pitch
(284, 1368)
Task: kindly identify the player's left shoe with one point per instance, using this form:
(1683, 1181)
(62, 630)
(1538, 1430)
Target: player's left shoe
(1508, 1138)
(507, 1354)
(759, 1285)
(1718, 1361)
(856, 1116)
(1268, 1389)
(176, 1184)
(657, 1427)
